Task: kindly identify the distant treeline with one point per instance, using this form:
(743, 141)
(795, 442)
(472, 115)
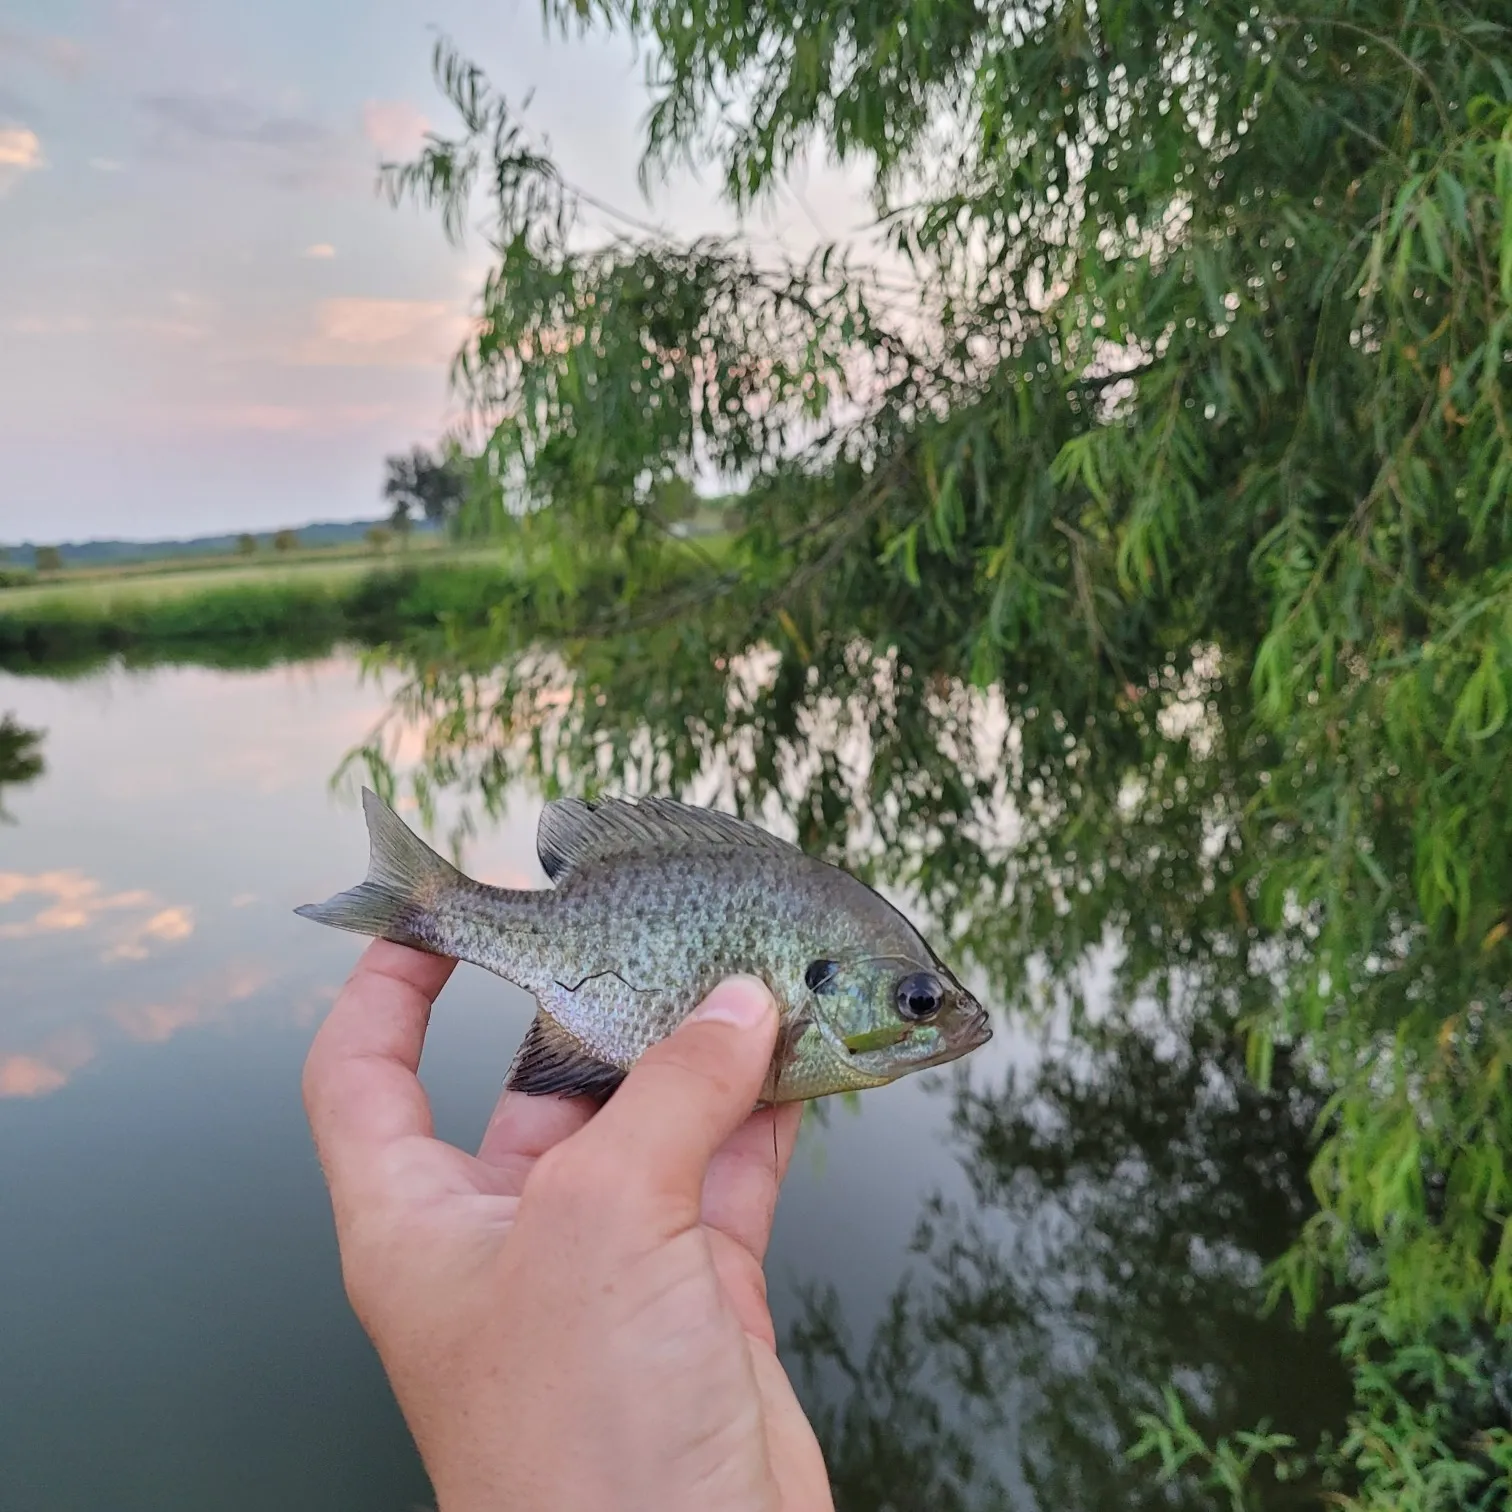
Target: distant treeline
(249, 623)
(109, 553)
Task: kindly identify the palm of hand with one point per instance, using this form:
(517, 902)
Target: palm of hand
(635, 1303)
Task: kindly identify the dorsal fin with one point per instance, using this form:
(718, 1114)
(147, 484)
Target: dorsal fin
(574, 832)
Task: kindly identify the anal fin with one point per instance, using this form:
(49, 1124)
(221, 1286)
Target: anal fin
(550, 1060)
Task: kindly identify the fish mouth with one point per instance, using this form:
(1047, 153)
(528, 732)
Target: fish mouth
(975, 1032)
(971, 1030)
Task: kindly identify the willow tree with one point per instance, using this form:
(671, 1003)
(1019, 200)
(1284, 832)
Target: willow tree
(1165, 412)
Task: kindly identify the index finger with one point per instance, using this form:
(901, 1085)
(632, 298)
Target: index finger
(361, 1091)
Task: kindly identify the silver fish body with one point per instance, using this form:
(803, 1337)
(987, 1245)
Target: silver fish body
(652, 904)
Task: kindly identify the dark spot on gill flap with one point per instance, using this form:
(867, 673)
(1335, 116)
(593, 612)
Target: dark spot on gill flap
(550, 1060)
(820, 974)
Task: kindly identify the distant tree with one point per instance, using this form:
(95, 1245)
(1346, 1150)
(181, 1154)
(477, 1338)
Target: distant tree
(378, 537)
(432, 486)
(286, 540)
(49, 559)
(246, 545)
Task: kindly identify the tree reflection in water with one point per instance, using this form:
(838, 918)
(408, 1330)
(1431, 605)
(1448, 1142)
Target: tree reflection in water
(20, 756)
(1125, 1197)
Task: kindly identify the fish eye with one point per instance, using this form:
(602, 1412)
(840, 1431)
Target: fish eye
(820, 974)
(919, 996)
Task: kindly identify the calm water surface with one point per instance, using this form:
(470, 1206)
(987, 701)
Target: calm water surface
(981, 1281)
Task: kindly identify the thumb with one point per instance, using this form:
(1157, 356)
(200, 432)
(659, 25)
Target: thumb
(686, 1095)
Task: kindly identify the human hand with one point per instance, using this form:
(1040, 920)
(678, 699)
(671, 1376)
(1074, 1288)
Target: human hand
(574, 1319)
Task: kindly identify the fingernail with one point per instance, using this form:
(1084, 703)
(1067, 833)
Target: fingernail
(742, 1001)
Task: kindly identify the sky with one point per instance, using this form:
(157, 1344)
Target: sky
(209, 320)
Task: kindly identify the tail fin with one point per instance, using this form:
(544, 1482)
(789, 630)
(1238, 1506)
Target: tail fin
(405, 879)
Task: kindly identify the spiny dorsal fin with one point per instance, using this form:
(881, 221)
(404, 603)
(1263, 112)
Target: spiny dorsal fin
(574, 832)
(550, 1060)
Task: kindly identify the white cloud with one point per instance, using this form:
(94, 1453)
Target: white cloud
(320, 250)
(20, 153)
(394, 127)
(105, 165)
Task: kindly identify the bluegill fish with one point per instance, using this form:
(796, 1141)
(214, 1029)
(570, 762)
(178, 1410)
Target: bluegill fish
(652, 904)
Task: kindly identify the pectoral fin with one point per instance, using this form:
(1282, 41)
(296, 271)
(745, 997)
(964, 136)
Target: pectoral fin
(550, 1060)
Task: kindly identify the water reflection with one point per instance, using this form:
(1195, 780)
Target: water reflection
(20, 756)
(70, 900)
(1089, 1218)
(1096, 863)
(37, 1058)
(1124, 1198)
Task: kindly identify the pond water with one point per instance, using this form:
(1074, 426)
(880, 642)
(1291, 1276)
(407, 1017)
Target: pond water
(982, 1277)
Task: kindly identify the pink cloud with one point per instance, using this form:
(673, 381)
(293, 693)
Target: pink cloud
(394, 127)
(354, 332)
(20, 148)
(53, 1065)
(39, 1070)
(168, 925)
(20, 153)
(73, 901)
(26, 1076)
(70, 900)
(196, 1005)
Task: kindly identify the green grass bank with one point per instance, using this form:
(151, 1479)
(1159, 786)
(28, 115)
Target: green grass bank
(237, 615)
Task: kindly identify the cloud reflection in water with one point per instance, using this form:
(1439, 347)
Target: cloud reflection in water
(76, 901)
(36, 1071)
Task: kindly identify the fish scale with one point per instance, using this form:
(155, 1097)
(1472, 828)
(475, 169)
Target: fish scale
(652, 904)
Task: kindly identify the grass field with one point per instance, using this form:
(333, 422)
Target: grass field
(198, 573)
